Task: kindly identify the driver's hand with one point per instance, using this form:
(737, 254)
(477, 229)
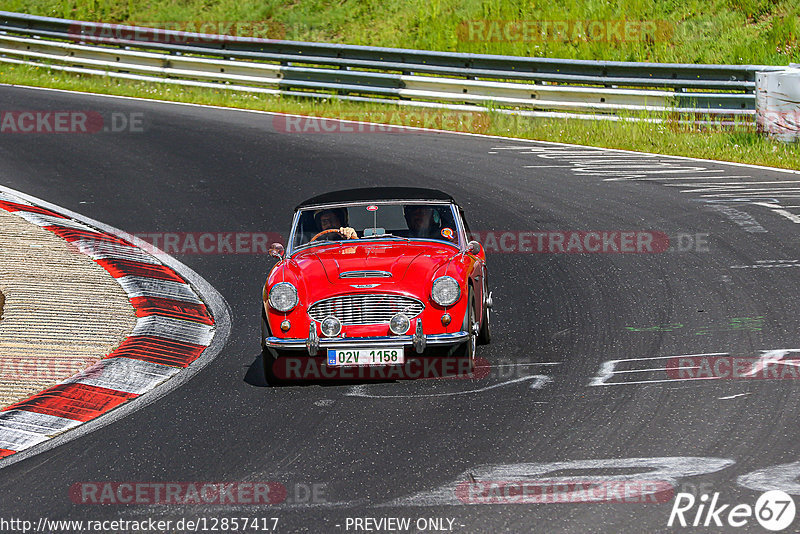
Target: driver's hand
(348, 232)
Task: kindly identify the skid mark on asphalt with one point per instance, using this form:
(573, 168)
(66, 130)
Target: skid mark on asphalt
(769, 264)
(538, 382)
(495, 484)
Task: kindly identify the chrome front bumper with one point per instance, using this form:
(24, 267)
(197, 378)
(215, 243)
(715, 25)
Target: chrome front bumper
(314, 343)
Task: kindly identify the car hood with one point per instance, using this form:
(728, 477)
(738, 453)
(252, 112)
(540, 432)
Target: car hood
(407, 262)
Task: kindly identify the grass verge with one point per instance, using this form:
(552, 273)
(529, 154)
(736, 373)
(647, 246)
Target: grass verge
(686, 31)
(738, 144)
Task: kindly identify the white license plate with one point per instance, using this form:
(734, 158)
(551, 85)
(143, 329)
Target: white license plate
(350, 357)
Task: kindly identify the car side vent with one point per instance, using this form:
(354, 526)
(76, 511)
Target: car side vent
(365, 274)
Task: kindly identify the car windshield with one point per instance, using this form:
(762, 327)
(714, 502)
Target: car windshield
(404, 220)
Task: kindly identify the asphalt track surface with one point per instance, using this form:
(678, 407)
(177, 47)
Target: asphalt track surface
(560, 316)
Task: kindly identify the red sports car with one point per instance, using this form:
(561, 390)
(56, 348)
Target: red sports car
(375, 277)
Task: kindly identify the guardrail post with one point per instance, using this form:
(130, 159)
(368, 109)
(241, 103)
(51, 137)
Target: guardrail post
(778, 103)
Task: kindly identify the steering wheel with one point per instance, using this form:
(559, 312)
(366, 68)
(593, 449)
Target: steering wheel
(325, 232)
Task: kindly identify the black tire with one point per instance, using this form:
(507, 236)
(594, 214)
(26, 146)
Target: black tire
(268, 356)
(485, 335)
(467, 349)
(265, 332)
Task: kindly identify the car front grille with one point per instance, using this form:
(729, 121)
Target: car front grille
(368, 308)
(366, 274)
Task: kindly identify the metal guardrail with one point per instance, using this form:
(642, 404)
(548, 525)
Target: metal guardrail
(409, 77)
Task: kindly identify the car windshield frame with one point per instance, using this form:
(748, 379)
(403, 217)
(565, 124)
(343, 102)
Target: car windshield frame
(459, 244)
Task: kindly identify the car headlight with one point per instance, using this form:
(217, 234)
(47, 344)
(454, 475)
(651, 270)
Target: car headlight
(445, 291)
(283, 297)
(331, 326)
(399, 323)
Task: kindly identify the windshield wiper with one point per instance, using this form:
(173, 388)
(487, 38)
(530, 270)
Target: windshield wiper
(321, 242)
(385, 235)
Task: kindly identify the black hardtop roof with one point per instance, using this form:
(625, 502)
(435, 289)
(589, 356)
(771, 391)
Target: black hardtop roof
(366, 194)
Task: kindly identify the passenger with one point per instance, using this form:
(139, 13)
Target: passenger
(422, 221)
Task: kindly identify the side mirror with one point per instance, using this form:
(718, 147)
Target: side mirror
(276, 250)
(473, 247)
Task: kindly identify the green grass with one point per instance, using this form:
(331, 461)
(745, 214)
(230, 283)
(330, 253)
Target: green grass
(739, 144)
(698, 31)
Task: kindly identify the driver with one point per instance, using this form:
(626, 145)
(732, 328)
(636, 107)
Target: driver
(334, 219)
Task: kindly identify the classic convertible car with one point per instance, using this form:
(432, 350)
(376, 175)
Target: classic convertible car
(376, 277)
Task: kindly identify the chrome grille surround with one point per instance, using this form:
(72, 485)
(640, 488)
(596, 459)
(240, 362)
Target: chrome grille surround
(365, 308)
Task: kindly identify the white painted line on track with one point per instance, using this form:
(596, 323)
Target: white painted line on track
(747, 183)
(516, 364)
(609, 155)
(664, 178)
(608, 369)
(539, 382)
(789, 215)
(733, 396)
(676, 170)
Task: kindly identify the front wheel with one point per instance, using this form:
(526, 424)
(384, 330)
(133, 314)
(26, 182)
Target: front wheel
(468, 348)
(485, 335)
(265, 333)
(268, 356)
(270, 359)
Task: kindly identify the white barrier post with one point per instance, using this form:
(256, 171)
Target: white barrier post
(778, 104)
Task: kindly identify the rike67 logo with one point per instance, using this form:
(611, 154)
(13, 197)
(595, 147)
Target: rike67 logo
(774, 510)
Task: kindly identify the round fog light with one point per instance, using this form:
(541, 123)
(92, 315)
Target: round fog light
(331, 326)
(285, 325)
(446, 319)
(399, 324)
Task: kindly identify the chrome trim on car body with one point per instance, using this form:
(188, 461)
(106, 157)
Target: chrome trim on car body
(365, 274)
(365, 308)
(377, 342)
(461, 244)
